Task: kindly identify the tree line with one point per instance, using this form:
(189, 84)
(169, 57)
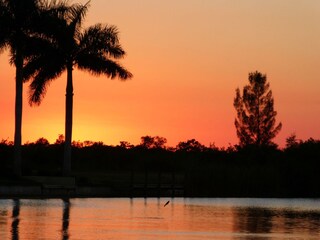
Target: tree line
(207, 171)
(157, 142)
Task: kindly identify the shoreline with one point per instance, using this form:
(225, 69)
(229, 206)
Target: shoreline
(81, 192)
(40, 192)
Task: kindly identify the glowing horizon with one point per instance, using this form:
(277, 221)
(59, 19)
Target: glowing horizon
(187, 57)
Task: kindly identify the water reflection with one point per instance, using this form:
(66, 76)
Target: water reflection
(141, 218)
(15, 219)
(65, 219)
(306, 222)
(268, 223)
(3, 221)
(256, 220)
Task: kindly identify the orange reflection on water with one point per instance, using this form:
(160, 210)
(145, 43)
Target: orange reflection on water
(149, 219)
(40, 219)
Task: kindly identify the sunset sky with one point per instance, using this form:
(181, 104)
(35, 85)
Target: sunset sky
(187, 58)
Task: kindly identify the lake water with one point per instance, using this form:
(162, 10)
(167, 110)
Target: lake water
(181, 218)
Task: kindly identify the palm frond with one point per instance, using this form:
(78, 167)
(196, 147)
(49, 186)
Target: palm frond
(22, 11)
(5, 25)
(78, 12)
(4, 20)
(42, 79)
(76, 16)
(43, 68)
(38, 63)
(36, 45)
(102, 39)
(99, 65)
(56, 6)
(51, 18)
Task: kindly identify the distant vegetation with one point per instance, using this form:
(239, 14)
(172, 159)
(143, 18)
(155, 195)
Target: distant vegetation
(251, 171)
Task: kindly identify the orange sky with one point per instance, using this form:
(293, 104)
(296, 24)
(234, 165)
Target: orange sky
(187, 57)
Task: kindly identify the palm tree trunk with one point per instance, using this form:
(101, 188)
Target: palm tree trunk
(17, 166)
(68, 124)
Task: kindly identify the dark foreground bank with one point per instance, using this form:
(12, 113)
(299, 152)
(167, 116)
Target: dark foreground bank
(192, 171)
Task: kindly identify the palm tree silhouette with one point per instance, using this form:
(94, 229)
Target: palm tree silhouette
(17, 33)
(15, 22)
(21, 30)
(95, 49)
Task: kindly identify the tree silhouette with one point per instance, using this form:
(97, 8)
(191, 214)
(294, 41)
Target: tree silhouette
(19, 32)
(60, 139)
(42, 142)
(255, 121)
(95, 50)
(292, 141)
(153, 142)
(191, 145)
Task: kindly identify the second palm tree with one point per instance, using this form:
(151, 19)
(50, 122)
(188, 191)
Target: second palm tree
(96, 50)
